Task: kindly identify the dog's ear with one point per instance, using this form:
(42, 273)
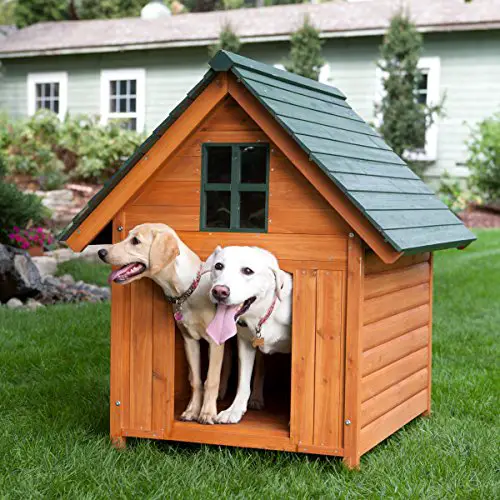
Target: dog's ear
(163, 251)
(279, 278)
(207, 266)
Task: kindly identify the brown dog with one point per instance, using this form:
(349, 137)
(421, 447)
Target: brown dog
(155, 251)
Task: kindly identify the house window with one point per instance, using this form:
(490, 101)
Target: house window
(427, 93)
(48, 91)
(234, 191)
(123, 97)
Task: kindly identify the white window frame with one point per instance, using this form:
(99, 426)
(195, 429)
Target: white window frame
(432, 67)
(60, 77)
(137, 74)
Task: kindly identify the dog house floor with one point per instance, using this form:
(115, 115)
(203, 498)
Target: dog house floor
(274, 419)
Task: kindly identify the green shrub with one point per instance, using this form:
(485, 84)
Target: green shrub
(484, 158)
(53, 152)
(18, 209)
(452, 193)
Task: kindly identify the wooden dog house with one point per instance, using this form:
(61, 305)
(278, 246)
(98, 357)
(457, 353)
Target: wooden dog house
(255, 155)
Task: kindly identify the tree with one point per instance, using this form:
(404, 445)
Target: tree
(28, 12)
(305, 52)
(228, 40)
(404, 120)
(109, 9)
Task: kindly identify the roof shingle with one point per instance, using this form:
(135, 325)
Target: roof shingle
(337, 18)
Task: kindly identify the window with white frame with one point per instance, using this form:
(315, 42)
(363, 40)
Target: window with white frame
(123, 97)
(427, 93)
(48, 91)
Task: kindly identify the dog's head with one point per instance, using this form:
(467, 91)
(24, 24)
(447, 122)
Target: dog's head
(242, 276)
(147, 250)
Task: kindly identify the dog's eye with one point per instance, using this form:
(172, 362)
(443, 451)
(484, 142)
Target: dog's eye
(134, 241)
(219, 266)
(247, 271)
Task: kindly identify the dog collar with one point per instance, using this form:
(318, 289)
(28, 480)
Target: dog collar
(178, 301)
(258, 341)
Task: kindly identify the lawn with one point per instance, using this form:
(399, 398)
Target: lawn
(89, 272)
(54, 417)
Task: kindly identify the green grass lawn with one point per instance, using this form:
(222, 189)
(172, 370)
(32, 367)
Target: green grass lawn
(54, 416)
(89, 272)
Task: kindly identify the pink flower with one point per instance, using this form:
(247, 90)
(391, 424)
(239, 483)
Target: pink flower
(39, 230)
(16, 229)
(25, 245)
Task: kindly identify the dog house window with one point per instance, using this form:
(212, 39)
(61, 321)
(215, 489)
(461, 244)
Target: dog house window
(235, 187)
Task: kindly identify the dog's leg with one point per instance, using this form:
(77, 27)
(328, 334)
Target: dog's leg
(192, 348)
(209, 408)
(227, 364)
(246, 356)
(256, 401)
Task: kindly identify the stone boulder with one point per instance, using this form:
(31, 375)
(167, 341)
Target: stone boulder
(47, 266)
(19, 277)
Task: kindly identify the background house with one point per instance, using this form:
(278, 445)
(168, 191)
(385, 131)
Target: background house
(139, 69)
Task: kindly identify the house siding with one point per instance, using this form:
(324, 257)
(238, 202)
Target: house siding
(469, 78)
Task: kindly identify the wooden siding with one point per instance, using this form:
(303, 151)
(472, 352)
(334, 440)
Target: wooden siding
(395, 339)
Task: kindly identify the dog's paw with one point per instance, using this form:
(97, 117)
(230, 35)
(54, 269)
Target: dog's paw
(190, 415)
(230, 416)
(206, 417)
(256, 403)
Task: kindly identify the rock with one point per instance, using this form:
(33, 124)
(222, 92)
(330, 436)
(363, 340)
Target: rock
(56, 290)
(56, 199)
(62, 254)
(19, 276)
(47, 266)
(14, 303)
(90, 253)
(33, 305)
(67, 279)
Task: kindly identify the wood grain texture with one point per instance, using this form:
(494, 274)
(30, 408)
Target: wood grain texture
(380, 380)
(179, 168)
(391, 421)
(141, 354)
(386, 329)
(387, 305)
(163, 364)
(391, 351)
(322, 183)
(178, 132)
(284, 246)
(178, 217)
(229, 116)
(375, 265)
(429, 342)
(392, 281)
(329, 363)
(393, 396)
(303, 357)
(119, 319)
(180, 193)
(354, 321)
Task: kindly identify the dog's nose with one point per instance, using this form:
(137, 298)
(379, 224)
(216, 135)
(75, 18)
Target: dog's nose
(102, 254)
(220, 292)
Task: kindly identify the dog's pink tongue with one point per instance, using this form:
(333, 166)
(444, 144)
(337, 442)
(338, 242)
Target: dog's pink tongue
(119, 272)
(223, 326)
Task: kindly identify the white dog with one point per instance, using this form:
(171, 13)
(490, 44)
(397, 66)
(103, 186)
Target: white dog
(155, 251)
(253, 297)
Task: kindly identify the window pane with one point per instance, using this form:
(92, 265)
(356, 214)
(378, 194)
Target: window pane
(132, 87)
(218, 205)
(45, 104)
(56, 90)
(132, 105)
(219, 164)
(55, 105)
(46, 90)
(123, 106)
(123, 87)
(253, 164)
(112, 105)
(112, 87)
(252, 210)
(38, 87)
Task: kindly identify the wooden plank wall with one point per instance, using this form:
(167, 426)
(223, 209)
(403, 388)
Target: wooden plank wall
(395, 337)
(304, 233)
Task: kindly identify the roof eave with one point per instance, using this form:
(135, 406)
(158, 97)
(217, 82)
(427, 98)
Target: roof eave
(203, 42)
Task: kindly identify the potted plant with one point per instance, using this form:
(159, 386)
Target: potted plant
(33, 239)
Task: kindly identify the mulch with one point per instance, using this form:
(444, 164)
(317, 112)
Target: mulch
(475, 217)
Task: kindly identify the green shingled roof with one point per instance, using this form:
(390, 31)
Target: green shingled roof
(395, 200)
